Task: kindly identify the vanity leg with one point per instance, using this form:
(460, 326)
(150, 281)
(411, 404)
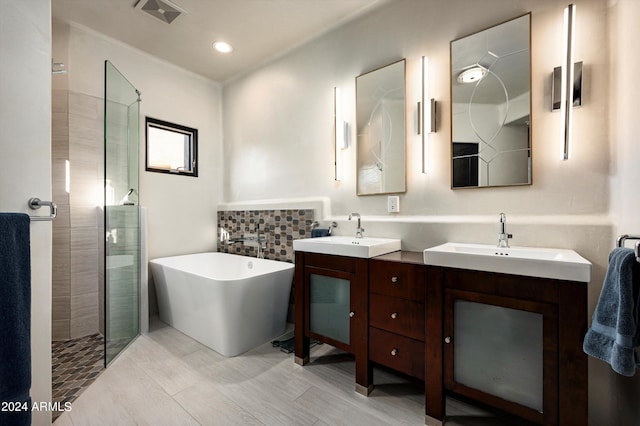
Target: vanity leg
(434, 397)
(364, 390)
(301, 345)
(360, 327)
(301, 361)
(573, 376)
(364, 376)
(430, 421)
(300, 342)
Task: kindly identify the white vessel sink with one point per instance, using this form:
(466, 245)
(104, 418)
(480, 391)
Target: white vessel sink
(561, 264)
(348, 246)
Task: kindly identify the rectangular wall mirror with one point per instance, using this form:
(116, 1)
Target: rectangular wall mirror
(491, 106)
(380, 122)
(171, 148)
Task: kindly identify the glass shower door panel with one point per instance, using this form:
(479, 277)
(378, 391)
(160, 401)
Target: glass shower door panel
(329, 307)
(121, 213)
(499, 351)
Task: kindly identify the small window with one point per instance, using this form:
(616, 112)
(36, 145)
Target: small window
(171, 148)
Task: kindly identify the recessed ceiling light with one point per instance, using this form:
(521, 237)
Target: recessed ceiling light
(472, 75)
(222, 47)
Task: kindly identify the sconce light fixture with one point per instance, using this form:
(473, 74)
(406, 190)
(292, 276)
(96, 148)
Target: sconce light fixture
(570, 81)
(428, 114)
(340, 134)
(67, 176)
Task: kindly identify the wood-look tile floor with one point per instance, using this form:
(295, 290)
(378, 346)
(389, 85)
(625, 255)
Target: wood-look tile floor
(167, 378)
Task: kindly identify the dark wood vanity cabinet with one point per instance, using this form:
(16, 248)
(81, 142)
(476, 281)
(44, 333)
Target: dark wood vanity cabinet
(397, 312)
(332, 306)
(455, 329)
(485, 315)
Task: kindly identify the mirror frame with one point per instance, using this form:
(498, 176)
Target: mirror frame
(530, 119)
(403, 189)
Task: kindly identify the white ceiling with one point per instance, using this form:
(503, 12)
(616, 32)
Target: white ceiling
(259, 30)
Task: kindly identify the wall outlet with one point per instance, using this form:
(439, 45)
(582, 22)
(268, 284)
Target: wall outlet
(393, 204)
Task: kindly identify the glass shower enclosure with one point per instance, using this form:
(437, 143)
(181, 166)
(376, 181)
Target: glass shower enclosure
(121, 212)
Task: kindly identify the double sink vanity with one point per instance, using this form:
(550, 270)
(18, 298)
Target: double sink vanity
(495, 325)
(498, 326)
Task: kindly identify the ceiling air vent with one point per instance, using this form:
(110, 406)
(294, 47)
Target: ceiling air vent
(163, 10)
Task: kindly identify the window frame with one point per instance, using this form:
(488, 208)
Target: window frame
(176, 128)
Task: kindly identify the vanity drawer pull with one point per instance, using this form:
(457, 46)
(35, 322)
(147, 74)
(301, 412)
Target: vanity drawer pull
(447, 340)
(394, 279)
(352, 314)
(394, 315)
(394, 352)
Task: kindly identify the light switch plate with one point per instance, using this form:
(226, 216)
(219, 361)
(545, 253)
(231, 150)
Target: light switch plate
(393, 204)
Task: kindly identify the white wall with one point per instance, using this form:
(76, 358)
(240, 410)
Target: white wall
(277, 117)
(278, 140)
(181, 210)
(620, 395)
(278, 128)
(25, 141)
(625, 125)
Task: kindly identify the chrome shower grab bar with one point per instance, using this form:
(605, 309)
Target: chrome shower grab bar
(622, 238)
(35, 203)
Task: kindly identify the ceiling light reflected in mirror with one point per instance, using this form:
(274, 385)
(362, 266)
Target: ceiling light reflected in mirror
(472, 75)
(222, 47)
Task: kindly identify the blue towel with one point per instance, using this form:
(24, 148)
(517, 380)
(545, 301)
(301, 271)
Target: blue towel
(320, 232)
(615, 331)
(15, 318)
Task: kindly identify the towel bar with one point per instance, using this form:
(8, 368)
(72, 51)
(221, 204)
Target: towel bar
(35, 203)
(622, 238)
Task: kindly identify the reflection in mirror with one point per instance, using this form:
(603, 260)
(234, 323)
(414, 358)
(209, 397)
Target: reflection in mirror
(491, 106)
(380, 121)
(171, 148)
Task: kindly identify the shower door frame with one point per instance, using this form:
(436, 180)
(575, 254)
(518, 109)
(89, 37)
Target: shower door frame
(120, 216)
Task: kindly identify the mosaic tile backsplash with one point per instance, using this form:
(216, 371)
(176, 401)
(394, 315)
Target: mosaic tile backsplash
(281, 227)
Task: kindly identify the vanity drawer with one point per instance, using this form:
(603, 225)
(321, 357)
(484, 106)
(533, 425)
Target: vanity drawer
(400, 316)
(398, 352)
(397, 279)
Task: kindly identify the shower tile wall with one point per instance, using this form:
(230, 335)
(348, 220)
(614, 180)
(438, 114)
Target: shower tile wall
(77, 136)
(280, 226)
(61, 257)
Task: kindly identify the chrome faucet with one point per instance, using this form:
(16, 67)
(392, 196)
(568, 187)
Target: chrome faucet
(258, 240)
(503, 236)
(261, 241)
(359, 229)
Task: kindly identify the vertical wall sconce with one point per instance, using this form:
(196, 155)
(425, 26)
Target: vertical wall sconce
(426, 114)
(67, 176)
(567, 79)
(340, 134)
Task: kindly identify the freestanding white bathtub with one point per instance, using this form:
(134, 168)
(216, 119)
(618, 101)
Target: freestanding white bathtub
(228, 302)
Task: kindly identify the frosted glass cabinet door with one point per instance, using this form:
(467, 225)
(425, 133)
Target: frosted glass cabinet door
(329, 307)
(499, 351)
(496, 345)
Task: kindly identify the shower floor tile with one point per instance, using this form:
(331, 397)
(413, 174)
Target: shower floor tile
(75, 364)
